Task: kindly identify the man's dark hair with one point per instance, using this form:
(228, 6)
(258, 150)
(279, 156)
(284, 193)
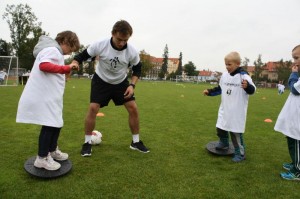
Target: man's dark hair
(122, 27)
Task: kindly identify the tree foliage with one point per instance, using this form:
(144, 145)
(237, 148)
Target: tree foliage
(258, 65)
(164, 67)
(5, 48)
(146, 62)
(284, 70)
(179, 69)
(24, 32)
(244, 63)
(190, 69)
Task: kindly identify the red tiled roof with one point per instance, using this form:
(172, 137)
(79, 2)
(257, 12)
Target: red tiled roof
(271, 66)
(174, 60)
(205, 73)
(160, 60)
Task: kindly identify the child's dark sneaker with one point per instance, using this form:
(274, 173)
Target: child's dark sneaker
(139, 146)
(238, 158)
(287, 166)
(289, 176)
(222, 146)
(86, 149)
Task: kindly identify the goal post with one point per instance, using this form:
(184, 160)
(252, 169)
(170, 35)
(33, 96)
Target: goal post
(9, 71)
(185, 78)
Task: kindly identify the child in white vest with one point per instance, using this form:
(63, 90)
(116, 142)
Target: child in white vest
(235, 86)
(288, 121)
(41, 102)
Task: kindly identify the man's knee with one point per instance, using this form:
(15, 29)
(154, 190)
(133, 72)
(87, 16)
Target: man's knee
(94, 108)
(131, 107)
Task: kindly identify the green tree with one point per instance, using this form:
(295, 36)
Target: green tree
(5, 48)
(258, 68)
(172, 75)
(26, 57)
(284, 70)
(244, 63)
(24, 32)
(146, 62)
(179, 69)
(190, 69)
(164, 67)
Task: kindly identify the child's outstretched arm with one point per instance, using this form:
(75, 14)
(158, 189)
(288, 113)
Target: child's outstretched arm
(294, 82)
(213, 92)
(54, 68)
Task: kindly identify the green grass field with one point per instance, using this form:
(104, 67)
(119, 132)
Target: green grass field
(176, 122)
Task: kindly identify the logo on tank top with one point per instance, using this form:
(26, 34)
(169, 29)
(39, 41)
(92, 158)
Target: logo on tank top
(114, 62)
(228, 92)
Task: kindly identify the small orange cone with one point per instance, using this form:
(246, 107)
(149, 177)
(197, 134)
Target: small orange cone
(100, 114)
(268, 120)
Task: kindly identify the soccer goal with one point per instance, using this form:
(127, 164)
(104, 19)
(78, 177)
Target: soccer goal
(9, 71)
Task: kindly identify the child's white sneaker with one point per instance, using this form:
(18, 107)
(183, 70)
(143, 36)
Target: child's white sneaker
(47, 163)
(58, 155)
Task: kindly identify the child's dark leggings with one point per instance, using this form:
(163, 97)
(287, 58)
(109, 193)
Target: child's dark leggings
(48, 140)
(294, 150)
(236, 139)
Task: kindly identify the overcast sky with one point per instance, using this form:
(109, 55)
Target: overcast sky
(203, 30)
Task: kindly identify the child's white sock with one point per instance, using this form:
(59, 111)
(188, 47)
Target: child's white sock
(135, 138)
(88, 138)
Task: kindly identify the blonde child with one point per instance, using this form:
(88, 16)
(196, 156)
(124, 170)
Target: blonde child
(235, 86)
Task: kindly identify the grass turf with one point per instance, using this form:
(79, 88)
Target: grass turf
(176, 122)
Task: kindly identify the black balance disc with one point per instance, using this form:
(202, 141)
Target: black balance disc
(211, 147)
(66, 166)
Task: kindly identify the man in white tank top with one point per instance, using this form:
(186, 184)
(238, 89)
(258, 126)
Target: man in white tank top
(110, 81)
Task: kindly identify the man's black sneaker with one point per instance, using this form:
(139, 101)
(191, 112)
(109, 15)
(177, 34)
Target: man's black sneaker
(86, 149)
(139, 146)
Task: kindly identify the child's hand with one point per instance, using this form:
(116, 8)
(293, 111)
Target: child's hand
(205, 92)
(295, 68)
(244, 84)
(74, 66)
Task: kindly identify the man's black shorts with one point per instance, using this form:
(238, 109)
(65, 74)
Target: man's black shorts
(102, 92)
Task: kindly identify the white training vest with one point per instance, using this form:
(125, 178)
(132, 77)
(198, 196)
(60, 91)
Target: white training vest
(113, 64)
(288, 121)
(42, 99)
(233, 109)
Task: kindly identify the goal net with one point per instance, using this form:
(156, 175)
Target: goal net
(185, 78)
(9, 71)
